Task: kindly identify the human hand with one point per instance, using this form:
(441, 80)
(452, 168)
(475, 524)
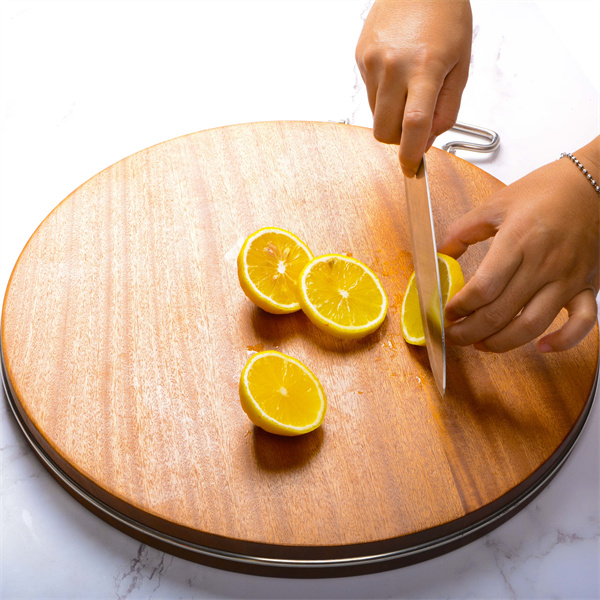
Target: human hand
(544, 256)
(414, 58)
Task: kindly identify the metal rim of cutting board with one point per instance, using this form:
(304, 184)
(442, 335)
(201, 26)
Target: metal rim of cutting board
(285, 567)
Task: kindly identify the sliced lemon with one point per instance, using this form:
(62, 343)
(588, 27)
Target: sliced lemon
(451, 281)
(281, 395)
(269, 265)
(342, 296)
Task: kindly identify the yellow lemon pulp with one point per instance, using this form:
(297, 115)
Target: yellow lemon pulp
(269, 265)
(342, 296)
(281, 395)
(451, 281)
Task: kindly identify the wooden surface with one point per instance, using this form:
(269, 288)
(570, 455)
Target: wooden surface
(124, 333)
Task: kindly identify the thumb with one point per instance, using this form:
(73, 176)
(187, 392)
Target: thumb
(475, 226)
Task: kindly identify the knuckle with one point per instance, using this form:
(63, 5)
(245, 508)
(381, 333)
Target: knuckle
(359, 59)
(456, 337)
(487, 345)
(389, 59)
(385, 135)
(417, 119)
(494, 318)
(451, 233)
(379, 58)
(589, 315)
(499, 343)
(367, 58)
(532, 325)
(428, 57)
(497, 347)
(592, 317)
(485, 289)
(442, 123)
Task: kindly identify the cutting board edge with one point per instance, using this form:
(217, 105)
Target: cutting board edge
(294, 561)
(245, 544)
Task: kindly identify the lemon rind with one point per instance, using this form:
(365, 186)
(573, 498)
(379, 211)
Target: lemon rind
(415, 341)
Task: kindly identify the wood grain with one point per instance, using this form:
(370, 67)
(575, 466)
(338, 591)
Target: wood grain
(124, 333)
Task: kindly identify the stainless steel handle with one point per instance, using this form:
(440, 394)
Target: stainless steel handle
(488, 134)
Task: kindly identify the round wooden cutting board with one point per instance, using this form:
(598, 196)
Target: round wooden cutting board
(125, 330)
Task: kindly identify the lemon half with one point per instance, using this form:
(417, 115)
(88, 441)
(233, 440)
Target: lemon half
(342, 296)
(281, 395)
(451, 281)
(269, 264)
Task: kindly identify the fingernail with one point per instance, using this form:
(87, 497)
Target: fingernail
(408, 172)
(544, 347)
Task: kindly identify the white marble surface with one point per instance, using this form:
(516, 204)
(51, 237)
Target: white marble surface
(84, 84)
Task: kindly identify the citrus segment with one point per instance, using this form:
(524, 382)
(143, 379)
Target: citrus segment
(269, 265)
(451, 281)
(281, 395)
(342, 296)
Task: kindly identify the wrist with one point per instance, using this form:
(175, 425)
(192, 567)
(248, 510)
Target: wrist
(591, 153)
(586, 160)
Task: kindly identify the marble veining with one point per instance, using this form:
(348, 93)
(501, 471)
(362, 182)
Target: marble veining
(144, 574)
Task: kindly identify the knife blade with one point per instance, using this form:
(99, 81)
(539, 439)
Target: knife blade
(427, 274)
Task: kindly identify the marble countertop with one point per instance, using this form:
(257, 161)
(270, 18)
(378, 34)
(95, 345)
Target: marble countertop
(84, 84)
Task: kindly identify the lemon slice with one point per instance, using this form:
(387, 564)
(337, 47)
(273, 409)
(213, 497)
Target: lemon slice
(281, 395)
(269, 265)
(342, 296)
(451, 280)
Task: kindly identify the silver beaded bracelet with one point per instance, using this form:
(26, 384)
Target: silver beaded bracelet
(583, 170)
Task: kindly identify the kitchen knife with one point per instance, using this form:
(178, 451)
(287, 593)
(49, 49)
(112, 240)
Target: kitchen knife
(427, 275)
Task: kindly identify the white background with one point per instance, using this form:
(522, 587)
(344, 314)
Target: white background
(85, 83)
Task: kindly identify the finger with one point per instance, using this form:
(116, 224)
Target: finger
(386, 91)
(416, 123)
(475, 226)
(494, 277)
(583, 314)
(494, 316)
(448, 102)
(372, 86)
(533, 320)
(387, 116)
(370, 74)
